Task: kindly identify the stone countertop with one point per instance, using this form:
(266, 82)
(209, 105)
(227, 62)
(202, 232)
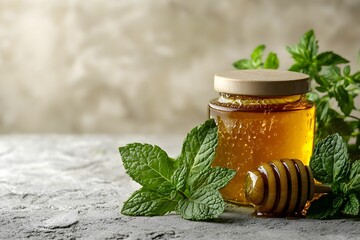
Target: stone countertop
(72, 187)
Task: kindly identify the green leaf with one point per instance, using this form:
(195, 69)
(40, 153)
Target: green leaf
(321, 89)
(330, 58)
(330, 162)
(354, 183)
(198, 150)
(298, 67)
(323, 108)
(323, 83)
(244, 64)
(312, 97)
(296, 54)
(179, 178)
(333, 123)
(337, 161)
(145, 202)
(336, 188)
(148, 165)
(323, 208)
(355, 169)
(304, 54)
(205, 203)
(214, 178)
(352, 205)
(344, 99)
(257, 54)
(331, 73)
(347, 70)
(338, 201)
(308, 42)
(255, 61)
(356, 77)
(272, 61)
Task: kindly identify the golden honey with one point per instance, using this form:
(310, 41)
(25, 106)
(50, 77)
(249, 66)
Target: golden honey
(256, 129)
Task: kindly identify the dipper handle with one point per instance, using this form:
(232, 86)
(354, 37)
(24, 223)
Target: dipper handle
(322, 188)
(281, 187)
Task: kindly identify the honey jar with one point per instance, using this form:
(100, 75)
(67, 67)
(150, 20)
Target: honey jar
(262, 115)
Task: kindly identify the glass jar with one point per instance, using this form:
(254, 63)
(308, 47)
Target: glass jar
(262, 115)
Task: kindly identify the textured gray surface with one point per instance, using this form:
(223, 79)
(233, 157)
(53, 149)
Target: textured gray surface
(72, 187)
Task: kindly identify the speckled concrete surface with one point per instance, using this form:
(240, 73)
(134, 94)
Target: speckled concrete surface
(72, 187)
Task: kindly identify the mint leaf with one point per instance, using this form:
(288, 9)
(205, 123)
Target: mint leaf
(297, 67)
(331, 74)
(179, 178)
(323, 106)
(145, 202)
(341, 165)
(255, 61)
(188, 185)
(308, 43)
(148, 165)
(330, 162)
(356, 77)
(352, 205)
(338, 201)
(214, 178)
(203, 204)
(272, 61)
(354, 184)
(304, 53)
(313, 97)
(257, 54)
(243, 64)
(330, 58)
(332, 123)
(344, 99)
(198, 150)
(346, 71)
(323, 208)
(355, 169)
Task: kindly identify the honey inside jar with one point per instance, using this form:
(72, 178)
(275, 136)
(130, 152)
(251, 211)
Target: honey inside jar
(256, 129)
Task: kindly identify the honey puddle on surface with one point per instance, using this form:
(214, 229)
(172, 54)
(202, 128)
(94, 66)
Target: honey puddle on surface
(249, 138)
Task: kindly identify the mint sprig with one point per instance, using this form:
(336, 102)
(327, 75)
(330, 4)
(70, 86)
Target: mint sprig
(255, 61)
(187, 185)
(333, 82)
(330, 164)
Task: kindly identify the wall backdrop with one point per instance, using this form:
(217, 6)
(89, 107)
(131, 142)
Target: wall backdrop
(140, 66)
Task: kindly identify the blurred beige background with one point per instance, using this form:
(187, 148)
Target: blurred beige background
(141, 66)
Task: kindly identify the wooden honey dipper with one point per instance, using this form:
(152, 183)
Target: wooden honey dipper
(281, 187)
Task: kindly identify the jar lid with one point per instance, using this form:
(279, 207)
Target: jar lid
(262, 82)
